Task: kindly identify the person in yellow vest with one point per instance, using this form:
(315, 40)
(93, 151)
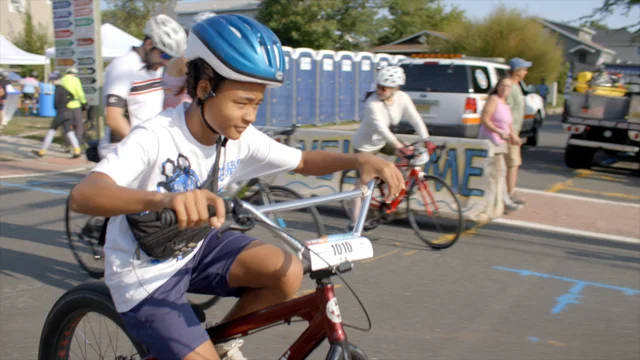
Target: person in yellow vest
(72, 83)
(69, 108)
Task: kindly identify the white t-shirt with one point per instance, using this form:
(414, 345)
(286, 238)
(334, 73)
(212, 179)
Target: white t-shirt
(377, 117)
(130, 85)
(165, 145)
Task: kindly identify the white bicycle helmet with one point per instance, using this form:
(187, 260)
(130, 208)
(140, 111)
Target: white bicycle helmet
(391, 76)
(167, 35)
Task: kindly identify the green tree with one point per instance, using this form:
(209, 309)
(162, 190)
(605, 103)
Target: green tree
(508, 33)
(327, 24)
(594, 24)
(610, 7)
(34, 38)
(132, 15)
(407, 17)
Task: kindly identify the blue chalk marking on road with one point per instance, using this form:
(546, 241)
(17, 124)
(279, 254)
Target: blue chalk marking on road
(35, 188)
(573, 296)
(40, 182)
(533, 339)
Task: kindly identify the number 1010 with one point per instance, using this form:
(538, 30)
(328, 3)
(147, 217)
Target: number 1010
(343, 248)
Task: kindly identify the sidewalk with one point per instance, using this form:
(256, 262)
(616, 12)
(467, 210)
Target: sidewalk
(577, 213)
(16, 158)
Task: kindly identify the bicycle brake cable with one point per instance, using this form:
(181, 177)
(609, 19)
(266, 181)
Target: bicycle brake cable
(335, 270)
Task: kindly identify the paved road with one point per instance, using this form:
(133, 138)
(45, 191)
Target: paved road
(544, 169)
(580, 298)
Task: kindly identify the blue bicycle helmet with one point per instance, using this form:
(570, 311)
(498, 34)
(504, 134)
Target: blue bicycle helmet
(238, 48)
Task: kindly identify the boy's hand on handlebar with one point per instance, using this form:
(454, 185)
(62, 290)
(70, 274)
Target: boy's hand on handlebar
(191, 208)
(371, 166)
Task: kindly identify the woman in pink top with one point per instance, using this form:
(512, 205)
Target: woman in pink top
(496, 124)
(496, 120)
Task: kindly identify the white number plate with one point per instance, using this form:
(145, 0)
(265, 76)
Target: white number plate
(336, 249)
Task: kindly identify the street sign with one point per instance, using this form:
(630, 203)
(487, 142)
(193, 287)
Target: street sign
(61, 5)
(83, 12)
(86, 71)
(63, 34)
(89, 90)
(64, 43)
(62, 24)
(84, 22)
(86, 61)
(80, 3)
(85, 42)
(87, 80)
(77, 30)
(65, 62)
(61, 14)
(64, 52)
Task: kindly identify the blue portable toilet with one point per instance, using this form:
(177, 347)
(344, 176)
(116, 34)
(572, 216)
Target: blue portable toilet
(327, 87)
(396, 59)
(383, 60)
(261, 116)
(345, 61)
(282, 99)
(46, 100)
(365, 78)
(305, 87)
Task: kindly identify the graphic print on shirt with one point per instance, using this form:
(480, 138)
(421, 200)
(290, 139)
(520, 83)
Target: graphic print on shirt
(179, 176)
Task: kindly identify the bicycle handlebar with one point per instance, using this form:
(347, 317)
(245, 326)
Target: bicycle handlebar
(168, 216)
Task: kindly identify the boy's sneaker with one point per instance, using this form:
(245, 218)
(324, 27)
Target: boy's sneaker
(230, 350)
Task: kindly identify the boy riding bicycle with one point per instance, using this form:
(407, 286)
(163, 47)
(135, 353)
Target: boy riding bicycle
(232, 59)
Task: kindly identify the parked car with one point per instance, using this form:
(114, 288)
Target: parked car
(450, 93)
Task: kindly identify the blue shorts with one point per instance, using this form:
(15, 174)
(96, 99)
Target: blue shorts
(164, 322)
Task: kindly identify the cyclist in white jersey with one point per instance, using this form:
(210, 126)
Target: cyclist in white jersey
(133, 82)
(384, 107)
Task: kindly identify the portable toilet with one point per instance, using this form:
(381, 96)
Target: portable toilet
(281, 99)
(326, 87)
(306, 100)
(396, 59)
(365, 78)
(383, 60)
(347, 96)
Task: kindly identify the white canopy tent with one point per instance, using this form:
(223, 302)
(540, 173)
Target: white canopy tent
(115, 43)
(13, 55)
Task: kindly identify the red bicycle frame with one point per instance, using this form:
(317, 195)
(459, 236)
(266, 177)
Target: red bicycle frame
(414, 176)
(319, 309)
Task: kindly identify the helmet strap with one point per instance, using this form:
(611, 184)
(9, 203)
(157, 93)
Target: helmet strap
(200, 104)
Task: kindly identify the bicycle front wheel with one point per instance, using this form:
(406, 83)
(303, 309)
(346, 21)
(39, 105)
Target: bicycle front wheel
(434, 212)
(300, 223)
(83, 233)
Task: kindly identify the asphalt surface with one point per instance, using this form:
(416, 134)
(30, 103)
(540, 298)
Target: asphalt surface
(471, 301)
(543, 168)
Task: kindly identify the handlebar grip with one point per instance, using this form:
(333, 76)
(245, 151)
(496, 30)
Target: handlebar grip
(168, 216)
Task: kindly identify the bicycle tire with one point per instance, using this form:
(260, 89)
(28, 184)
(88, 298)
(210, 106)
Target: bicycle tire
(65, 314)
(295, 195)
(414, 224)
(67, 220)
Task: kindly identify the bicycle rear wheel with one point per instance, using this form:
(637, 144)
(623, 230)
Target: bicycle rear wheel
(440, 223)
(83, 233)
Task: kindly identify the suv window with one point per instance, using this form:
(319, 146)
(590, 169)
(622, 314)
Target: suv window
(436, 78)
(501, 72)
(480, 76)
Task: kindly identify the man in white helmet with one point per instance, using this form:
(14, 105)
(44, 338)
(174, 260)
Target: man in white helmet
(385, 107)
(133, 82)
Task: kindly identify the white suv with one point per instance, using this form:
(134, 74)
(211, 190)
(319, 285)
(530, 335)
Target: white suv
(450, 95)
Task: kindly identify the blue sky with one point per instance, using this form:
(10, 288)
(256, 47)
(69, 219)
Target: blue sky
(555, 10)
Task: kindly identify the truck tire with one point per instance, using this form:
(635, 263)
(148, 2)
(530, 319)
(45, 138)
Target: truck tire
(578, 157)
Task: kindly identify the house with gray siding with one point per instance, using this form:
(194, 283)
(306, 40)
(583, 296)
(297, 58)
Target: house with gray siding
(580, 47)
(627, 47)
